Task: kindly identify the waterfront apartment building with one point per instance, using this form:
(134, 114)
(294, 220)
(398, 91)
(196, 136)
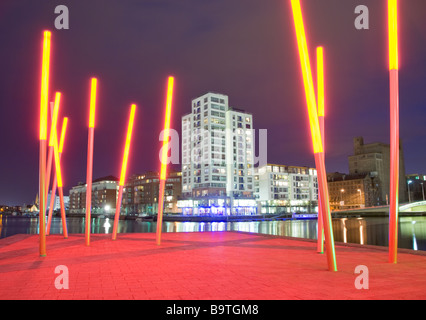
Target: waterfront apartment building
(286, 189)
(353, 191)
(104, 196)
(374, 158)
(57, 202)
(217, 158)
(141, 192)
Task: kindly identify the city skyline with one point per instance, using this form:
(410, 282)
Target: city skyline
(247, 52)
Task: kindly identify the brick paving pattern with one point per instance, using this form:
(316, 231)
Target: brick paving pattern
(201, 266)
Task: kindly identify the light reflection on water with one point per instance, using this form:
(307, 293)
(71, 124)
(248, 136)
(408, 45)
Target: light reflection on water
(372, 231)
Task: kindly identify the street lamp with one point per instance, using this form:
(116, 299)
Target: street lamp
(408, 183)
(341, 197)
(423, 191)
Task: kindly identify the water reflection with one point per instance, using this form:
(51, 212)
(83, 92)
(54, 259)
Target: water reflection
(350, 230)
(107, 225)
(415, 247)
(415, 230)
(373, 231)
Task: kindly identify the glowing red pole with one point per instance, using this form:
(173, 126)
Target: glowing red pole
(315, 133)
(43, 137)
(58, 166)
(63, 217)
(165, 151)
(49, 158)
(54, 185)
(55, 112)
(90, 157)
(394, 129)
(321, 115)
(123, 170)
(52, 202)
(117, 212)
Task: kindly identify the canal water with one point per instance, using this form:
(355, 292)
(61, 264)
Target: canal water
(371, 231)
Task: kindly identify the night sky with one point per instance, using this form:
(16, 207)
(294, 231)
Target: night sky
(243, 48)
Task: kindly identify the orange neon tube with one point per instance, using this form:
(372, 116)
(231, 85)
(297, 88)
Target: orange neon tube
(307, 77)
(393, 34)
(320, 84)
(44, 96)
(63, 132)
(167, 128)
(127, 146)
(394, 130)
(93, 90)
(53, 134)
(321, 114)
(55, 144)
(45, 85)
(54, 186)
(315, 132)
(57, 164)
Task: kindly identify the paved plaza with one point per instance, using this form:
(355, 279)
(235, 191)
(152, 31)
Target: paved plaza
(201, 266)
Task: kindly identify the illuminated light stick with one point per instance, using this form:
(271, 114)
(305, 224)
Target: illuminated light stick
(123, 170)
(50, 156)
(315, 133)
(55, 112)
(321, 115)
(54, 185)
(394, 129)
(43, 140)
(58, 168)
(165, 150)
(93, 90)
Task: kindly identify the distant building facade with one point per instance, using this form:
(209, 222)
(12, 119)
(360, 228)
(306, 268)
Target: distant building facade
(286, 189)
(351, 191)
(57, 202)
(374, 158)
(104, 196)
(11, 209)
(141, 192)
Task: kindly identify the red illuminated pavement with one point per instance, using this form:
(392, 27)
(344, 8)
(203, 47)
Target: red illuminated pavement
(209, 265)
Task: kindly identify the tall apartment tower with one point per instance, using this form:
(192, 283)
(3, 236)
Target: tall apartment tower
(374, 158)
(217, 155)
